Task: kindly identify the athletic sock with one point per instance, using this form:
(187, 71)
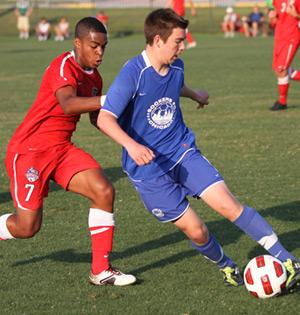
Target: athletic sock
(4, 232)
(253, 224)
(101, 226)
(283, 87)
(295, 75)
(213, 251)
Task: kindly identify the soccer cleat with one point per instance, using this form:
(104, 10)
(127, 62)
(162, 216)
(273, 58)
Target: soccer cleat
(293, 273)
(232, 276)
(112, 276)
(278, 106)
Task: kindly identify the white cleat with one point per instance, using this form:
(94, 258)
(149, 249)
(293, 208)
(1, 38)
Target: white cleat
(112, 276)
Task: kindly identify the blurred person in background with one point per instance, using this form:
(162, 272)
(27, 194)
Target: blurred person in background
(286, 44)
(23, 11)
(254, 22)
(179, 7)
(230, 23)
(103, 18)
(62, 29)
(43, 29)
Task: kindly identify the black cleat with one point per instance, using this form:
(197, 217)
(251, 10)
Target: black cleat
(232, 276)
(293, 274)
(278, 106)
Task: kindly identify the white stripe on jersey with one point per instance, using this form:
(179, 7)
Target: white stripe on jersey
(105, 110)
(61, 71)
(288, 54)
(16, 183)
(148, 65)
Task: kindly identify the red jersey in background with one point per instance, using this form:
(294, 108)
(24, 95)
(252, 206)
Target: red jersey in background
(178, 7)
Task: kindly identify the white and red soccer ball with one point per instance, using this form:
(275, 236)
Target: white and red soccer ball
(265, 276)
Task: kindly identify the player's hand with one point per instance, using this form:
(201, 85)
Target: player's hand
(140, 154)
(202, 98)
(291, 10)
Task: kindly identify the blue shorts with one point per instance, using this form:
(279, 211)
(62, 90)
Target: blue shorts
(165, 196)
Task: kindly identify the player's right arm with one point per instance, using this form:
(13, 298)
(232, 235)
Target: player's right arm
(73, 104)
(199, 96)
(108, 124)
(292, 11)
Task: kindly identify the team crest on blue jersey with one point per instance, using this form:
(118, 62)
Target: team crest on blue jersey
(158, 213)
(95, 91)
(161, 114)
(32, 174)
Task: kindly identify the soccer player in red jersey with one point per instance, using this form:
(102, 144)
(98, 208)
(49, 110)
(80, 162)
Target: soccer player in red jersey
(179, 8)
(286, 43)
(41, 150)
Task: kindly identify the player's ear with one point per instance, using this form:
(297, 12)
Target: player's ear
(157, 40)
(77, 42)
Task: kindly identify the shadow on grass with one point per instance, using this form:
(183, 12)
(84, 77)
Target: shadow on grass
(113, 173)
(225, 231)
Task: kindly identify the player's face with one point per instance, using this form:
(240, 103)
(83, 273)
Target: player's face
(90, 49)
(174, 45)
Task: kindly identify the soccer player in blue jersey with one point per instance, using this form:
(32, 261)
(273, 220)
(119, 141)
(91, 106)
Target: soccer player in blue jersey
(142, 113)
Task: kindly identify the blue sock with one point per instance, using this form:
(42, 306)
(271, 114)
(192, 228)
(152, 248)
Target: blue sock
(213, 251)
(253, 224)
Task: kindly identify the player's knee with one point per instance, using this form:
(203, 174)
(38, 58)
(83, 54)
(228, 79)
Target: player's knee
(28, 231)
(199, 235)
(281, 73)
(230, 210)
(104, 191)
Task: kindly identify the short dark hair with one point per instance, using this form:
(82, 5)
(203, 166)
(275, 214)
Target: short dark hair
(162, 22)
(88, 24)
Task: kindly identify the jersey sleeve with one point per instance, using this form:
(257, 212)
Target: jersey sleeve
(122, 90)
(61, 74)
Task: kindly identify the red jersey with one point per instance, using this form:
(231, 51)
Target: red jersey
(287, 27)
(46, 125)
(178, 7)
(103, 18)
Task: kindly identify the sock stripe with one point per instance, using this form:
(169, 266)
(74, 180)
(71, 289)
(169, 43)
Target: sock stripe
(98, 231)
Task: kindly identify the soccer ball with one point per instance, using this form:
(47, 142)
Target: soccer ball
(265, 276)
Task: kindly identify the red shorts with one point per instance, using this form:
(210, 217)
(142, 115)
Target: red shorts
(30, 173)
(284, 52)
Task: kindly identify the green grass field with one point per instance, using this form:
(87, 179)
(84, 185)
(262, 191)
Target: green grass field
(256, 150)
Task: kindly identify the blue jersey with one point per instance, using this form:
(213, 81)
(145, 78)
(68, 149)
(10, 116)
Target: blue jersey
(147, 106)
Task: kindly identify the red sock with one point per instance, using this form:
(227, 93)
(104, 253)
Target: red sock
(101, 226)
(283, 91)
(283, 87)
(189, 37)
(295, 75)
(102, 239)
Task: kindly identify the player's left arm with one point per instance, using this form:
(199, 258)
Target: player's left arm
(94, 115)
(292, 10)
(199, 96)
(73, 104)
